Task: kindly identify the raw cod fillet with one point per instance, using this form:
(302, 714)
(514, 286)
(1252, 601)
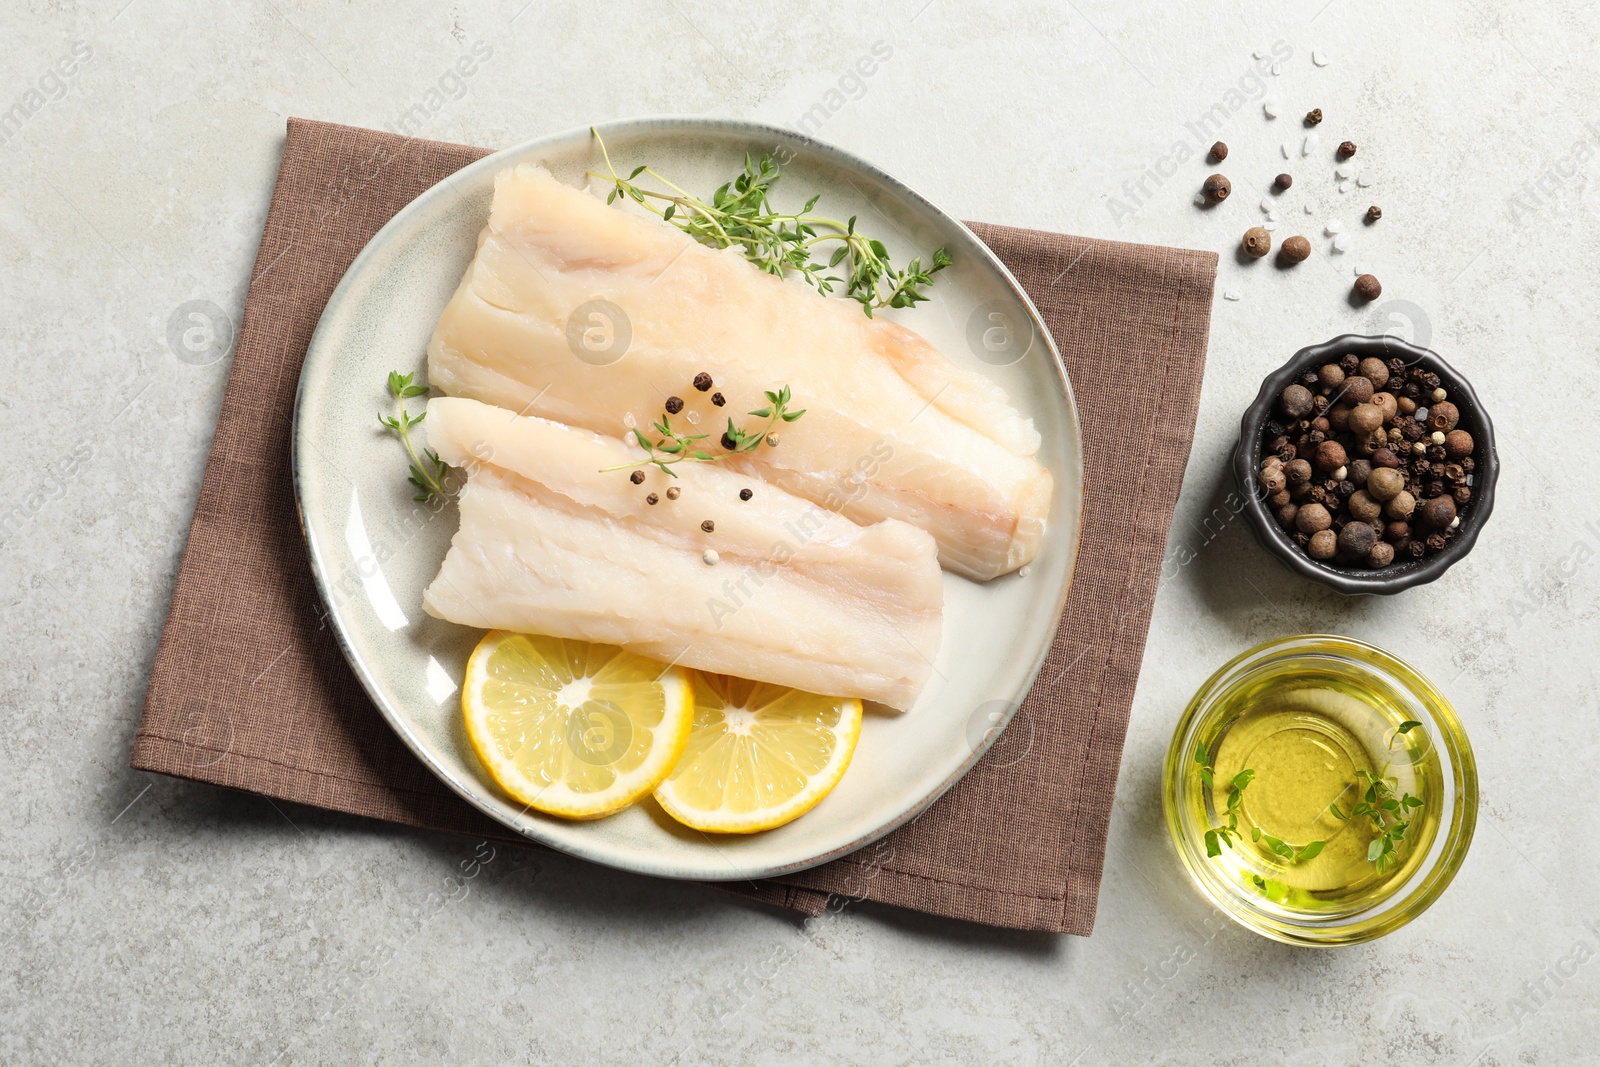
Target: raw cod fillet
(893, 428)
(800, 596)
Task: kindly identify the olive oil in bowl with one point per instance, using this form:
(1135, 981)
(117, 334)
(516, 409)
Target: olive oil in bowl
(1321, 790)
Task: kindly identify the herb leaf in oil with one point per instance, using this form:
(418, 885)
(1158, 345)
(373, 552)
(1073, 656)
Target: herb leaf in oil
(1390, 816)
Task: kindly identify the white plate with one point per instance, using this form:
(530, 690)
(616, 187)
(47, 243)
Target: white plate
(373, 549)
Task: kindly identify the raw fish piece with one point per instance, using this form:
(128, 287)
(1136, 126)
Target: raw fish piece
(801, 596)
(893, 428)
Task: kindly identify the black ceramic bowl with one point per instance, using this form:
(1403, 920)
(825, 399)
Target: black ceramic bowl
(1399, 575)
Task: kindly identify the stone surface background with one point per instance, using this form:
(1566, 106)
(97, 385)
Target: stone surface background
(148, 920)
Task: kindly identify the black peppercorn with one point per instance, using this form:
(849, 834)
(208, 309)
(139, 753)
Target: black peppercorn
(708, 526)
(637, 477)
(1374, 213)
(1313, 116)
(651, 499)
(718, 399)
(1461, 494)
(702, 381)
(674, 405)
(729, 443)
(1436, 542)
(1346, 149)
(1219, 152)
(746, 494)
(673, 493)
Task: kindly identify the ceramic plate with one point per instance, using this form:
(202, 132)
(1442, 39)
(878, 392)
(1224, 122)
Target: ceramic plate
(373, 549)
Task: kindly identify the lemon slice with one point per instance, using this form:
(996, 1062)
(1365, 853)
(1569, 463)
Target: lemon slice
(571, 728)
(759, 755)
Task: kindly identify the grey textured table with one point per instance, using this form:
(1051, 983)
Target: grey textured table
(147, 920)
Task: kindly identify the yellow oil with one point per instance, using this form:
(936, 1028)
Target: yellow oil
(1306, 735)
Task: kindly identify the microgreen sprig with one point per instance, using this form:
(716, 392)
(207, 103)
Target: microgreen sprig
(1390, 815)
(427, 475)
(672, 447)
(740, 213)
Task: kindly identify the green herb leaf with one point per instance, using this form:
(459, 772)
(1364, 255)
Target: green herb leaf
(1409, 725)
(1375, 850)
(427, 477)
(1311, 851)
(1212, 848)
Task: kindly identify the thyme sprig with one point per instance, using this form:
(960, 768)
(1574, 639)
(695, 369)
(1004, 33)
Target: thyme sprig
(1390, 816)
(1219, 836)
(740, 213)
(672, 447)
(426, 474)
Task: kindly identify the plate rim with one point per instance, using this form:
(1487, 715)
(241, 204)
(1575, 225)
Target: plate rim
(320, 572)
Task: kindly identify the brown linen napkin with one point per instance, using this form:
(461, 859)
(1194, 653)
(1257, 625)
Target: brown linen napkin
(249, 689)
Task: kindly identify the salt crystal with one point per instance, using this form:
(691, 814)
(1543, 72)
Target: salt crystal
(1344, 170)
(1229, 294)
(1309, 144)
(1360, 270)
(1266, 204)
(693, 417)
(1311, 209)
(1023, 571)
(1345, 187)
(628, 420)
(1319, 58)
(1284, 148)
(1258, 55)
(1364, 180)
(1421, 414)
(1277, 69)
(1269, 225)
(1332, 226)
(1341, 243)
(1272, 216)
(1270, 108)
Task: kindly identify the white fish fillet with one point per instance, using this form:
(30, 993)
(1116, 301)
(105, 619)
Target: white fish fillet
(800, 596)
(893, 428)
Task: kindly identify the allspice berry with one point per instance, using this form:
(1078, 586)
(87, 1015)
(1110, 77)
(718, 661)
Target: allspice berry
(1363, 507)
(1313, 116)
(1439, 512)
(1357, 390)
(1330, 375)
(1312, 518)
(1295, 400)
(1364, 418)
(1375, 371)
(1443, 416)
(1329, 456)
(1357, 539)
(1346, 149)
(1282, 182)
(1368, 288)
(1401, 505)
(1257, 242)
(1216, 189)
(1458, 444)
(1386, 403)
(1374, 213)
(1323, 544)
(1272, 479)
(1385, 483)
(1380, 555)
(1219, 152)
(1298, 471)
(1295, 250)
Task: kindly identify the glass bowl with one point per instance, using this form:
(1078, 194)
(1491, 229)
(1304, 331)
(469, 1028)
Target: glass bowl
(1434, 752)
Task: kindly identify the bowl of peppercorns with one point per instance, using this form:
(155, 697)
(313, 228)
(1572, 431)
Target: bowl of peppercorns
(1367, 463)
